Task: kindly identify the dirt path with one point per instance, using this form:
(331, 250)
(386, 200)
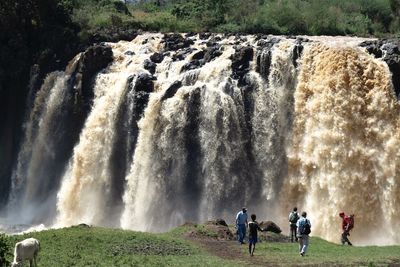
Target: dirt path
(230, 250)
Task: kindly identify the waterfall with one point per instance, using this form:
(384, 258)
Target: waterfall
(86, 191)
(343, 154)
(43, 151)
(179, 128)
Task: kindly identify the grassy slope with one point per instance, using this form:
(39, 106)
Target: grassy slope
(83, 246)
(324, 253)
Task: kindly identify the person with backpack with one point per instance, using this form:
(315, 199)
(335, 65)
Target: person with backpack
(347, 226)
(253, 228)
(303, 230)
(293, 218)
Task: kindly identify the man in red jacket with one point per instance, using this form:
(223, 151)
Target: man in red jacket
(347, 225)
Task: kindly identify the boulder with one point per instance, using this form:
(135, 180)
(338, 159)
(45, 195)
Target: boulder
(157, 57)
(270, 226)
(172, 89)
(204, 35)
(176, 41)
(150, 66)
(211, 53)
(194, 64)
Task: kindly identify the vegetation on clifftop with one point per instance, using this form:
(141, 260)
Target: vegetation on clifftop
(310, 17)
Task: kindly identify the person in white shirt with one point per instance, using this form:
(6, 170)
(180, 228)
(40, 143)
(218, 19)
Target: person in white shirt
(241, 224)
(303, 230)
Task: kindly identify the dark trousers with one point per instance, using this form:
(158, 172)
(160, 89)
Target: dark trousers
(345, 238)
(293, 232)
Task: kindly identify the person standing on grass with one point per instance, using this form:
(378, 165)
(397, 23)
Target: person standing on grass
(253, 228)
(241, 224)
(347, 225)
(293, 218)
(303, 230)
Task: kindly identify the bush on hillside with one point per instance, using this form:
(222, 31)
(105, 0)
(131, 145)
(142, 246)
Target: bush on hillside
(5, 249)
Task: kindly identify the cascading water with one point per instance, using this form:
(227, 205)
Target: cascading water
(343, 155)
(191, 129)
(40, 159)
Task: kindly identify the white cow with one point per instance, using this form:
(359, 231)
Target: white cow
(26, 250)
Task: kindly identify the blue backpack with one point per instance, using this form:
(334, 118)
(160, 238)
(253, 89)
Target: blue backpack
(305, 229)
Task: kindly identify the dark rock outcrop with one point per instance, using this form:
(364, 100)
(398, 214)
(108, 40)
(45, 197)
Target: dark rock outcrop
(270, 226)
(143, 86)
(112, 34)
(176, 41)
(172, 89)
(157, 57)
(389, 51)
(150, 66)
(264, 55)
(194, 64)
(211, 53)
(94, 59)
(241, 62)
(198, 55)
(204, 35)
(218, 222)
(182, 54)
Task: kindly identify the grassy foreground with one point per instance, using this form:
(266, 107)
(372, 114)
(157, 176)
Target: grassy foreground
(94, 246)
(323, 253)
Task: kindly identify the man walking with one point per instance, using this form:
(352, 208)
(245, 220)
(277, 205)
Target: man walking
(303, 230)
(241, 224)
(347, 225)
(293, 218)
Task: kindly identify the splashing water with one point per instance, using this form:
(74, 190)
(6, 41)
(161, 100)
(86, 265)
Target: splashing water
(194, 142)
(343, 153)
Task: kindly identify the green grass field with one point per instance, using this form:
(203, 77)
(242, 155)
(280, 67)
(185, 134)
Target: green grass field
(94, 246)
(323, 253)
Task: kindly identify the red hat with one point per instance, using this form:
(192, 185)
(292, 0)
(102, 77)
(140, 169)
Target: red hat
(341, 214)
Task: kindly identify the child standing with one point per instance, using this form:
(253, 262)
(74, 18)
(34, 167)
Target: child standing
(253, 228)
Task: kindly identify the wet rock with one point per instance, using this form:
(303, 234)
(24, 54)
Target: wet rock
(211, 53)
(190, 34)
(172, 89)
(389, 51)
(129, 53)
(182, 54)
(112, 34)
(157, 57)
(204, 35)
(94, 59)
(297, 51)
(213, 41)
(194, 64)
(264, 55)
(373, 47)
(241, 62)
(150, 66)
(143, 86)
(176, 41)
(198, 55)
(268, 42)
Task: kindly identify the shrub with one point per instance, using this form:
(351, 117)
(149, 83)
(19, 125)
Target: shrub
(5, 249)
